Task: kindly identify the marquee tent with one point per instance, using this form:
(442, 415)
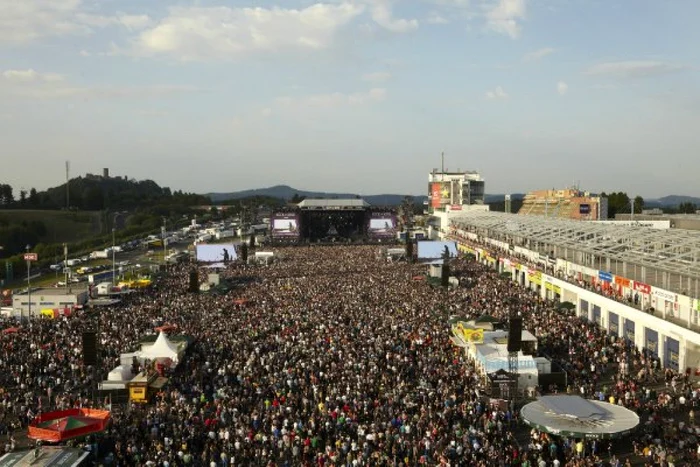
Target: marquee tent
(162, 347)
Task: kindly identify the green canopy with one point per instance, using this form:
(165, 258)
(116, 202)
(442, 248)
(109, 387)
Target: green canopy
(486, 319)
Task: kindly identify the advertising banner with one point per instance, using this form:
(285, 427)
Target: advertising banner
(605, 276)
(663, 294)
(435, 194)
(622, 281)
(285, 225)
(382, 225)
(642, 287)
(440, 194)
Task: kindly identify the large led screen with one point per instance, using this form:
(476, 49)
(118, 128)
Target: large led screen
(285, 225)
(216, 253)
(382, 225)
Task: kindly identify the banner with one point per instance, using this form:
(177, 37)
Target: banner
(622, 281)
(469, 334)
(605, 276)
(642, 287)
(440, 194)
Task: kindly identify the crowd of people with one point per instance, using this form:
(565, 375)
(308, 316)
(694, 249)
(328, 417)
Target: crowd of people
(331, 356)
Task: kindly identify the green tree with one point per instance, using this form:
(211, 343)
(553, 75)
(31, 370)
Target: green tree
(638, 204)
(34, 200)
(687, 208)
(22, 197)
(6, 196)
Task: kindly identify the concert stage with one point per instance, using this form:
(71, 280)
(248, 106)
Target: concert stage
(333, 220)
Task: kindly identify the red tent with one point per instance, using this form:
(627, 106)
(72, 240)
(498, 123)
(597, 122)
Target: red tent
(166, 328)
(61, 425)
(10, 330)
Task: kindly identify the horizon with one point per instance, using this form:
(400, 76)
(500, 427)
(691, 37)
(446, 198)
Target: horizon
(345, 95)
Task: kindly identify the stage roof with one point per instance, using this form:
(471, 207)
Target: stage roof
(576, 417)
(635, 252)
(433, 250)
(349, 203)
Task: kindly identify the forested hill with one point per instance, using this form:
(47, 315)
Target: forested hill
(94, 193)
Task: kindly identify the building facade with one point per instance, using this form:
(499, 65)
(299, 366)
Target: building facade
(569, 203)
(47, 298)
(452, 190)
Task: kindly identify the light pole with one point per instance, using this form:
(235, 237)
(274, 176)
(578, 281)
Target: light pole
(29, 287)
(114, 262)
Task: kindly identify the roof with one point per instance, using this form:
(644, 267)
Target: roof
(49, 456)
(634, 252)
(54, 291)
(325, 203)
(574, 416)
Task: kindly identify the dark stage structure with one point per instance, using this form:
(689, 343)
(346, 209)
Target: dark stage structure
(333, 221)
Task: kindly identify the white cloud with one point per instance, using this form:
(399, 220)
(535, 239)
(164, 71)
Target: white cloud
(633, 68)
(377, 77)
(562, 88)
(333, 100)
(200, 33)
(538, 54)
(436, 18)
(23, 21)
(382, 14)
(30, 75)
(505, 17)
(35, 85)
(497, 93)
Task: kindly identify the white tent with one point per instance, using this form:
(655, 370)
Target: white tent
(120, 373)
(161, 348)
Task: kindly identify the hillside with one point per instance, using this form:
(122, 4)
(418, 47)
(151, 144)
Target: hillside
(286, 193)
(57, 226)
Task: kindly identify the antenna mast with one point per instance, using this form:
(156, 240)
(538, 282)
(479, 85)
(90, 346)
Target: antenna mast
(442, 156)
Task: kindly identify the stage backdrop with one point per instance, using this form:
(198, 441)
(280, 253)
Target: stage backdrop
(216, 253)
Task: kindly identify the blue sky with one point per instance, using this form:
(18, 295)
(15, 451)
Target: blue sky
(358, 96)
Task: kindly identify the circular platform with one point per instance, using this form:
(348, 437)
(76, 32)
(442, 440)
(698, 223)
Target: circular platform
(576, 417)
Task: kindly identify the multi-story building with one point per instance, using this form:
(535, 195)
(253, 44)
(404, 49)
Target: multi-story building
(569, 203)
(452, 190)
(450, 194)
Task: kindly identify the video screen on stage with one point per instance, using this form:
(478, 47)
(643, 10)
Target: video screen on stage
(216, 253)
(285, 225)
(382, 225)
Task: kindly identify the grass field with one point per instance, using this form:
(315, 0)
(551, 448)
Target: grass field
(61, 226)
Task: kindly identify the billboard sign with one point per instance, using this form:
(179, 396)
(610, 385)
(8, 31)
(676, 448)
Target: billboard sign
(440, 194)
(31, 257)
(285, 225)
(382, 225)
(584, 209)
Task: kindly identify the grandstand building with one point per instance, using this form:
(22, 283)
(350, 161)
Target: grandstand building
(638, 283)
(569, 203)
(451, 194)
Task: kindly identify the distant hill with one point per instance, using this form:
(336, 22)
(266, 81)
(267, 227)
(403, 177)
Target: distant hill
(286, 193)
(672, 201)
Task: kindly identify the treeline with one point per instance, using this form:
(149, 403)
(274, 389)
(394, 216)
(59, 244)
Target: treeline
(97, 193)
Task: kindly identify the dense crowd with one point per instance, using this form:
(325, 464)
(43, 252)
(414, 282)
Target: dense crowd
(333, 357)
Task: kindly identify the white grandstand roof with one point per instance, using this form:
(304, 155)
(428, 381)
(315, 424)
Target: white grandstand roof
(675, 252)
(333, 203)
